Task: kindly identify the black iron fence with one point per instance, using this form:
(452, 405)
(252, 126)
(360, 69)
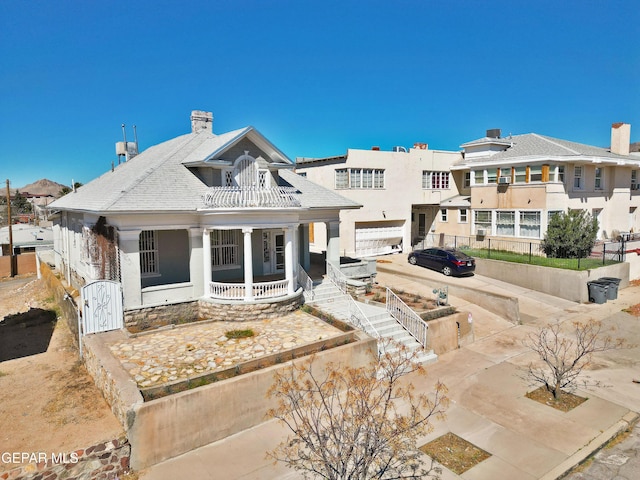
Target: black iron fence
(525, 252)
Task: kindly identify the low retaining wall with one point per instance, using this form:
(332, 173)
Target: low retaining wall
(450, 333)
(170, 426)
(161, 315)
(106, 460)
(256, 310)
(145, 318)
(567, 284)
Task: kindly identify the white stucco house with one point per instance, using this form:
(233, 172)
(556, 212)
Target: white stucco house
(518, 182)
(405, 193)
(201, 219)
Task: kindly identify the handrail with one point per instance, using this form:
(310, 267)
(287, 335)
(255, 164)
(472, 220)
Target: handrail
(356, 316)
(337, 277)
(305, 281)
(409, 319)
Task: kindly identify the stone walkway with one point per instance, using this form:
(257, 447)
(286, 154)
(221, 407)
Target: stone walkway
(155, 358)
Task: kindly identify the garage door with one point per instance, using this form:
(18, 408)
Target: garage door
(378, 240)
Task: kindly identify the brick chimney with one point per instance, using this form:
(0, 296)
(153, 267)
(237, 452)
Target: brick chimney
(620, 138)
(201, 121)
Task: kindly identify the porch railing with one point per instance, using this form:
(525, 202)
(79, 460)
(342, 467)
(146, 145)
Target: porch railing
(231, 197)
(236, 291)
(409, 319)
(304, 280)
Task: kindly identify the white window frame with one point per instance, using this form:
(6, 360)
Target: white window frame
(578, 175)
(341, 178)
(444, 217)
(463, 215)
(521, 222)
(225, 251)
(435, 180)
(149, 258)
(378, 178)
(501, 224)
(486, 225)
(535, 173)
(520, 175)
(598, 178)
(467, 179)
(634, 179)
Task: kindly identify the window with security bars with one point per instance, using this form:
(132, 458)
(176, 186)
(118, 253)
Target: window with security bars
(149, 253)
(435, 180)
(224, 249)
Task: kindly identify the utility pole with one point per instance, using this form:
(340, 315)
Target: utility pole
(11, 256)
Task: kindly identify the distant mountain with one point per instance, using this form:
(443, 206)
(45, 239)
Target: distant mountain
(42, 187)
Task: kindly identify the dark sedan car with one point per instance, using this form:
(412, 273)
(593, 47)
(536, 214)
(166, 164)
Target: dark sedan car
(449, 261)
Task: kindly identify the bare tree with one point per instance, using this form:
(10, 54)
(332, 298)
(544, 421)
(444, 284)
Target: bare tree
(355, 423)
(565, 357)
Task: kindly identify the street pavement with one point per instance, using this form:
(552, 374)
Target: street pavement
(526, 440)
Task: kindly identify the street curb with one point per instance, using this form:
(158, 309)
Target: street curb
(626, 422)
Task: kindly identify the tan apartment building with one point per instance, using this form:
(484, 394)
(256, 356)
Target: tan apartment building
(405, 194)
(518, 182)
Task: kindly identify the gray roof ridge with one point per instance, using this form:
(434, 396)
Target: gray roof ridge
(553, 142)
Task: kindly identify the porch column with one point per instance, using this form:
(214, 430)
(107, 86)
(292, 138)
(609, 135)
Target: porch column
(248, 264)
(288, 259)
(206, 261)
(296, 253)
(129, 243)
(333, 242)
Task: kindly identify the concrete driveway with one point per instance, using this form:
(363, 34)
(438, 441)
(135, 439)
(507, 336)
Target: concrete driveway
(526, 440)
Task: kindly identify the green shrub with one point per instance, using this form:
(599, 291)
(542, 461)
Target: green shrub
(239, 333)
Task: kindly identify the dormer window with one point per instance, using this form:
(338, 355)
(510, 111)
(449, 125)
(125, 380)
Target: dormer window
(246, 173)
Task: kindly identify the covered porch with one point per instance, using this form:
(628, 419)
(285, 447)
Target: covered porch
(250, 264)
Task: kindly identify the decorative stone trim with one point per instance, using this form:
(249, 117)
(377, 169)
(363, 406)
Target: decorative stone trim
(104, 461)
(241, 311)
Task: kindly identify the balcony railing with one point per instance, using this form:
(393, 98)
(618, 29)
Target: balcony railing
(236, 291)
(242, 197)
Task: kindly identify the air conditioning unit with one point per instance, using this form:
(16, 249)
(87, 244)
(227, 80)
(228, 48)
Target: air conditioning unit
(504, 180)
(481, 232)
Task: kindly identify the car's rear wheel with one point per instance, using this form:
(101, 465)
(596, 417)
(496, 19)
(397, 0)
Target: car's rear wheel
(412, 260)
(446, 270)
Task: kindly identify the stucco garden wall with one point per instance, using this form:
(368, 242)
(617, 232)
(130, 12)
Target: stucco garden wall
(567, 284)
(169, 426)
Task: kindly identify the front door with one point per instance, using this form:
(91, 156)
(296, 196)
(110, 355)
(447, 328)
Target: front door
(273, 251)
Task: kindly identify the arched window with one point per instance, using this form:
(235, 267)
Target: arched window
(245, 171)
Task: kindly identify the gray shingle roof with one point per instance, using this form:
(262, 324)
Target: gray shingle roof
(157, 180)
(533, 144)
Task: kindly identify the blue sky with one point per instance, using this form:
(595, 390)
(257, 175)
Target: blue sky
(314, 77)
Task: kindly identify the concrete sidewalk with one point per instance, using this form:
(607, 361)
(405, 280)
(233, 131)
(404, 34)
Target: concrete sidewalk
(526, 440)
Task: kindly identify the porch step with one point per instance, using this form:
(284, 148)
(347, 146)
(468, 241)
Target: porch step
(330, 299)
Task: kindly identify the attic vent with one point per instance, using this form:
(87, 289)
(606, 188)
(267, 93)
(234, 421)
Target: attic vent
(493, 133)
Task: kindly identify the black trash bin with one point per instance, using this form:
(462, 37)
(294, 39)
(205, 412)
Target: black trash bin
(612, 291)
(598, 291)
